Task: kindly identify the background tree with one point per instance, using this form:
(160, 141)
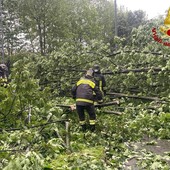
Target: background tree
(127, 20)
(13, 38)
(43, 26)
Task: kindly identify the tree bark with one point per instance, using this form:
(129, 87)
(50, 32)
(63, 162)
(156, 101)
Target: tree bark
(134, 96)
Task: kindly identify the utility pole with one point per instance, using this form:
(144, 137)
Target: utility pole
(115, 13)
(1, 33)
(115, 23)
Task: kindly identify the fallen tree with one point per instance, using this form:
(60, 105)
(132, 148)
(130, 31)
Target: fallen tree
(133, 96)
(96, 105)
(136, 70)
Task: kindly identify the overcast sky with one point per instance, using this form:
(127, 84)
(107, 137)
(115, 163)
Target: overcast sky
(153, 8)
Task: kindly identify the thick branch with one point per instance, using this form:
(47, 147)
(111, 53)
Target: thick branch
(96, 105)
(112, 112)
(14, 129)
(139, 70)
(134, 96)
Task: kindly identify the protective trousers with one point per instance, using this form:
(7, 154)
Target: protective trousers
(92, 116)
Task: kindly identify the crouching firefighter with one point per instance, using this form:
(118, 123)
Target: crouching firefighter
(83, 93)
(3, 75)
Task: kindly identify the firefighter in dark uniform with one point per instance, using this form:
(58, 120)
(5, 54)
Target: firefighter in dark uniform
(3, 75)
(83, 92)
(99, 80)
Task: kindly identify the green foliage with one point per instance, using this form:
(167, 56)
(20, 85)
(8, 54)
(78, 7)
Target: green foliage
(41, 83)
(90, 158)
(32, 138)
(54, 71)
(29, 161)
(24, 96)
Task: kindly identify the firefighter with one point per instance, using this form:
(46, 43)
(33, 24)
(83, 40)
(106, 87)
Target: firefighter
(83, 93)
(3, 75)
(99, 80)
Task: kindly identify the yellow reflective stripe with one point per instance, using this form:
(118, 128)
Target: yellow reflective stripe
(5, 85)
(84, 81)
(92, 122)
(82, 122)
(84, 100)
(100, 85)
(3, 80)
(95, 103)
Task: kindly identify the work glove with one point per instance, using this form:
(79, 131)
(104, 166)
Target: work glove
(73, 107)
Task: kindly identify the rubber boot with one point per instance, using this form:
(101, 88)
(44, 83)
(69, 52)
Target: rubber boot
(92, 128)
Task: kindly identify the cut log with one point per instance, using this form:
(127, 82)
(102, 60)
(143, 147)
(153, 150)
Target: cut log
(112, 112)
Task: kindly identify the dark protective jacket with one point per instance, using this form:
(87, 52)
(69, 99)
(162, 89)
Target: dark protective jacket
(100, 82)
(83, 91)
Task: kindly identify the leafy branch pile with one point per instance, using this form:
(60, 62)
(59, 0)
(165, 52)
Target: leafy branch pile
(33, 130)
(41, 83)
